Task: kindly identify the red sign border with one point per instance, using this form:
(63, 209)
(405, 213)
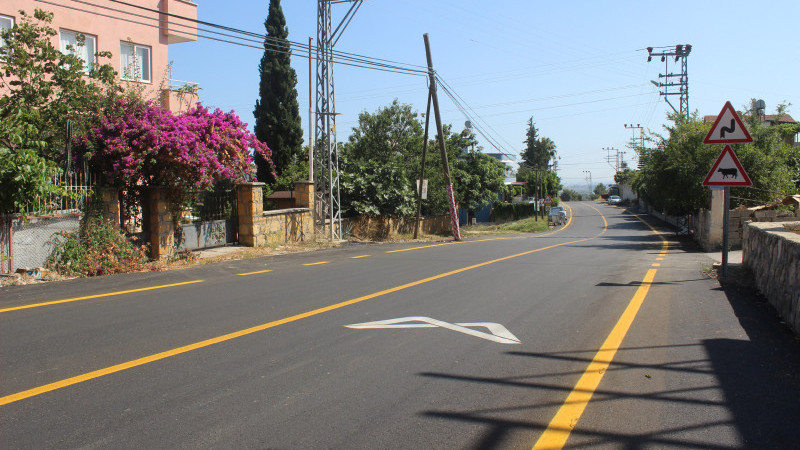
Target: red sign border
(744, 183)
(710, 140)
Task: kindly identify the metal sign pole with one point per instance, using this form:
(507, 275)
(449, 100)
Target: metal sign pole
(725, 216)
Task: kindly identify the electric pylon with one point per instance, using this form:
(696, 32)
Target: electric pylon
(328, 212)
(679, 53)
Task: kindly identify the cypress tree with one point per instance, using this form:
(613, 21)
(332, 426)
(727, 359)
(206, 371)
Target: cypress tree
(277, 112)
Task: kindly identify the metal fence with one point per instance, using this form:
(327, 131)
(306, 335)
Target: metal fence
(28, 243)
(217, 204)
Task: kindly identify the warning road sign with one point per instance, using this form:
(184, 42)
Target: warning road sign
(728, 128)
(727, 171)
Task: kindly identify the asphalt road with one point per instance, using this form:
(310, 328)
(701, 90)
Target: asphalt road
(602, 333)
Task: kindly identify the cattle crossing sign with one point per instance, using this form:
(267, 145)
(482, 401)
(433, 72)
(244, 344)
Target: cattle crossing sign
(727, 171)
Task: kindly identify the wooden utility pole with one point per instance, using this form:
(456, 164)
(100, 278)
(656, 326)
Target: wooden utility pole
(440, 131)
(422, 166)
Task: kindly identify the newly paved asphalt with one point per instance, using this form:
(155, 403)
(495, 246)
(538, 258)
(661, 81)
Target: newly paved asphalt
(258, 353)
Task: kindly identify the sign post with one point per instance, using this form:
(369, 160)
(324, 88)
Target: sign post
(727, 171)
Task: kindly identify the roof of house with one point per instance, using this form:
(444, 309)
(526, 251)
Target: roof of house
(280, 194)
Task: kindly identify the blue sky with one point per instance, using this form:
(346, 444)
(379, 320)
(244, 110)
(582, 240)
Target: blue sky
(578, 67)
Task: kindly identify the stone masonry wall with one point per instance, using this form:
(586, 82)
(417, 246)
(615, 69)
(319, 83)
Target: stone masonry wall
(772, 252)
(258, 228)
(381, 227)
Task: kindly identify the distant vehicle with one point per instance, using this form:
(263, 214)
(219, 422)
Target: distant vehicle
(614, 200)
(557, 215)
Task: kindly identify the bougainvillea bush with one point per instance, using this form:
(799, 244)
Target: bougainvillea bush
(143, 144)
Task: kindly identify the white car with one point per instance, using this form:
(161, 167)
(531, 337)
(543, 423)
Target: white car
(614, 200)
(557, 215)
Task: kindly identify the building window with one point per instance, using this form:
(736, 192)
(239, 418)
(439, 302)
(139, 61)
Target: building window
(6, 22)
(84, 46)
(135, 62)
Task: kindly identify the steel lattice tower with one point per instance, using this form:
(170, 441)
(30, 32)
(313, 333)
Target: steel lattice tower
(326, 156)
(679, 53)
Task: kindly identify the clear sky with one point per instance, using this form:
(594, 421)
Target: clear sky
(578, 67)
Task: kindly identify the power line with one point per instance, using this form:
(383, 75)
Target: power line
(271, 44)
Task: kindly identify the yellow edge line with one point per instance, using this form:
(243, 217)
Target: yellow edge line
(108, 294)
(254, 273)
(559, 429)
(226, 337)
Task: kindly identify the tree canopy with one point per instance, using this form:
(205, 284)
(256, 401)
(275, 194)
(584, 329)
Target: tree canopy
(672, 175)
(277, 112)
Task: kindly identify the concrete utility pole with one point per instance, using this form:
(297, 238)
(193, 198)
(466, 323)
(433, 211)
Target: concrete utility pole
(615, 158)
(667, 88)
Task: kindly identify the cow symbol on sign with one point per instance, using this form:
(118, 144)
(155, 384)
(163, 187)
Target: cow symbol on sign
(733, 173)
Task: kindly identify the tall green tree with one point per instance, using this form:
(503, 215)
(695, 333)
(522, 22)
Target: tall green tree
(538, 150)
(277, 112)
(673, 172)
(479, 180)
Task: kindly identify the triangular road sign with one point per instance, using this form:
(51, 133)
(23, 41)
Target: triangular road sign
(727, 171)
(728, 128)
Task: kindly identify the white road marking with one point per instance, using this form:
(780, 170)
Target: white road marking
(497, 333)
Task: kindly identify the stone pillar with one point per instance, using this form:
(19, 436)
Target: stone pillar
(162, 228)
(110, 198)
(250, 209)
(304, 194)
(716, 221)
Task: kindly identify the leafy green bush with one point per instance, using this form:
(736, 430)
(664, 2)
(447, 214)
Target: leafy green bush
(98, 248)
(512, 211)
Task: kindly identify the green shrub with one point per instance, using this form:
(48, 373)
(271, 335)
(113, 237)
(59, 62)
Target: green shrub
(502, 212)
(98, 248)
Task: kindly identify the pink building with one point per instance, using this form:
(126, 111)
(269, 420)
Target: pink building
(136, 32)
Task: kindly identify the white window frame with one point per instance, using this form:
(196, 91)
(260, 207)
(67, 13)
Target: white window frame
(138, 59)
(5, 19)
(87, 53)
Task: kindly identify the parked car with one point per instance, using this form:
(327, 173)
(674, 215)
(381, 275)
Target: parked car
(614, 200)
(557, 215)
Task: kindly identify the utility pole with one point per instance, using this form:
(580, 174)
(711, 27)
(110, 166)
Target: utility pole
(615, 158)
(633, 140)
(591, 188)
(326, 155)
(667, 88)
(310, 115)
(440, 131)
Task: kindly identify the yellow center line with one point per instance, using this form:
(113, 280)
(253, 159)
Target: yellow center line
(656, 265)
(87, 297)
(316, 263)
(360, 256)
(558, 430)
(236, 334)
(254, 273)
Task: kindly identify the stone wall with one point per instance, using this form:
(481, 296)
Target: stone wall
(737, 221)
(382, 228)
(258, 228)
(772, 252)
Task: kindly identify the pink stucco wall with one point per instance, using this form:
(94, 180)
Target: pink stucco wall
(113, 23)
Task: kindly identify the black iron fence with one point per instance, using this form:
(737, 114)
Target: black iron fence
(219, 203)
